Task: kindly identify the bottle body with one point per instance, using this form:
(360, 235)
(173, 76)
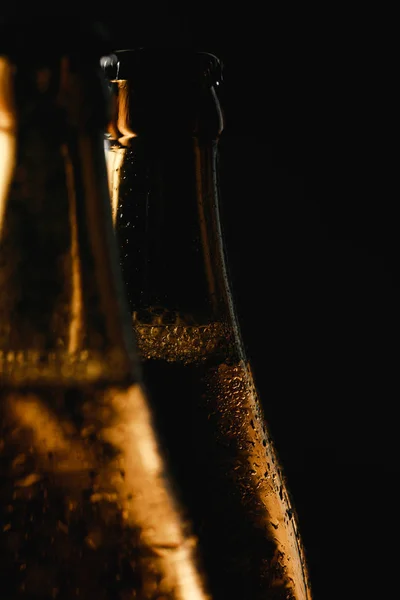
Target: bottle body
(87, 507)
(86, 504)
(165, 197)
(233, 483)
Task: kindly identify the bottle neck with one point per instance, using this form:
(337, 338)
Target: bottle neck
(62, 310)
(166, 212)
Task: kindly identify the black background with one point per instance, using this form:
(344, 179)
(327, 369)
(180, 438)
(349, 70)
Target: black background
(309, 198)
(309, 195)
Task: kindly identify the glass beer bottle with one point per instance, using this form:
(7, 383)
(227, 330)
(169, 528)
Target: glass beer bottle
(163, 148)
(87, 508)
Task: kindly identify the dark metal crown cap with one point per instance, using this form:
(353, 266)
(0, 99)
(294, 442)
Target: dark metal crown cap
(154, 66)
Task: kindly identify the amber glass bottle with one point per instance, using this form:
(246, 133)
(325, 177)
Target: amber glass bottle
(87, 509)
(163, 148)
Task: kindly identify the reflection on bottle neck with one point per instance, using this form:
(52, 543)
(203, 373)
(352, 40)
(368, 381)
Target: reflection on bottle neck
(7, 132)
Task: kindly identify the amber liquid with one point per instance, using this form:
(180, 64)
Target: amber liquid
(85, 510)
(221, 454)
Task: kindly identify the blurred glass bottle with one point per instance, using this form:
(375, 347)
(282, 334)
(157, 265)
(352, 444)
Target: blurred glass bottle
(163, 148)
(86, 507)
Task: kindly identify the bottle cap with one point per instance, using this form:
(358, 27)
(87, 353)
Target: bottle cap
(154, 66)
